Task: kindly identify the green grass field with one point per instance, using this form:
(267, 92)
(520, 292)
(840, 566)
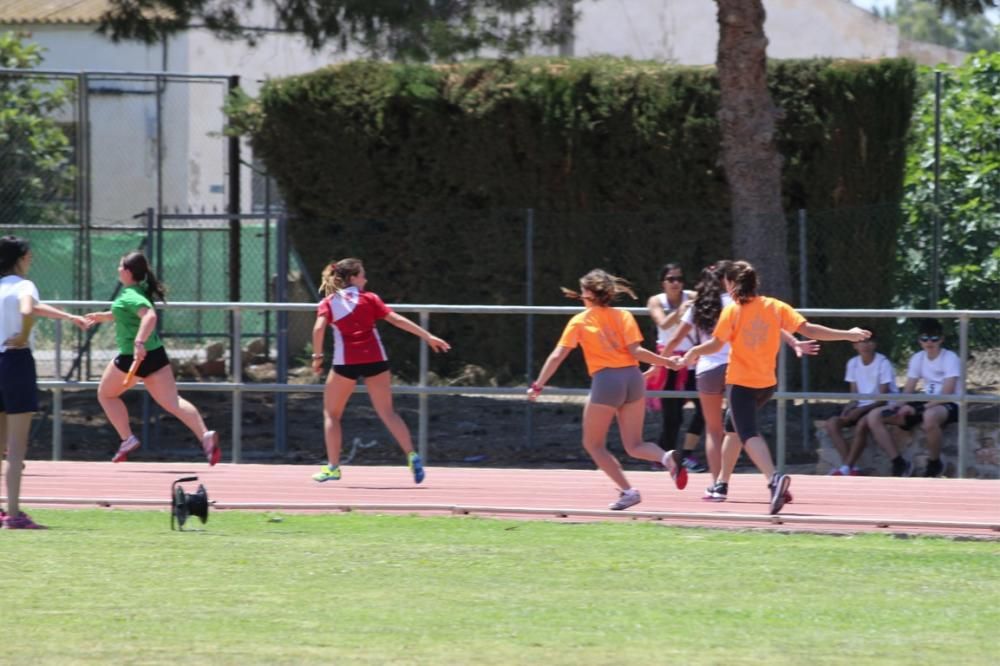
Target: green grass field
(118, 587)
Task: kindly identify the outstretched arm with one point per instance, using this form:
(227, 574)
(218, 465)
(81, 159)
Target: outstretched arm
(549, 368)
(51, 312)
(710, 347)
(820, 332)
(682, 330)
(434, 342)
(800, 347)
(643, 355)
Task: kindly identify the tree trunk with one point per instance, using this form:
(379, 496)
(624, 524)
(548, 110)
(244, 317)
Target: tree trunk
(750, 155)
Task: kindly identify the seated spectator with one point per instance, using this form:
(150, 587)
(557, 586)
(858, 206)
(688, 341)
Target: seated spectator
(939, 370)
(868, 372)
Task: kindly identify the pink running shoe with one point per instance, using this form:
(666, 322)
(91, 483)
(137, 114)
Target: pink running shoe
(127, 447)
(678, 472)
(210, 445)
(22, 522)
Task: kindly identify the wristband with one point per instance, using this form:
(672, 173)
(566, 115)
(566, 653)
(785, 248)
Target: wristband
(141, 343)
(317, 356)
(536, 387)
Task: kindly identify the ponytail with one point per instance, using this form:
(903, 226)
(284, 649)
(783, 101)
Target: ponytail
(604, 286)
(744, 279)
(337, 275)
(137, 264)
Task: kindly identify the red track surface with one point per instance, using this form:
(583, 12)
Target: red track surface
(835, 504)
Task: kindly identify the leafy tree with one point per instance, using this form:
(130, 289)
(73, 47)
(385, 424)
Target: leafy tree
(928, 21)
(417, 30)
(968, 204)
(36, 169)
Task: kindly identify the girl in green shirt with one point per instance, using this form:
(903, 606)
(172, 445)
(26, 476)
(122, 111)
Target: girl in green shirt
(141, 355)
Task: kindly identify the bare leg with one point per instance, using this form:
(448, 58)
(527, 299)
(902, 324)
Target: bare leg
(711, 409)
(876, 425)
(109, 395)
(833, 427)
(933, 418)
(859, 442)
(630, 419)
(757, 449)
(18, 427)
(336, 393)
(163, 389)
(380, 393)
(731, 448)
(596, 421)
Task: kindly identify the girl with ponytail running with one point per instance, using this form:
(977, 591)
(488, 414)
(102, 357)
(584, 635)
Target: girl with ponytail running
(141, 356)
(612, 349)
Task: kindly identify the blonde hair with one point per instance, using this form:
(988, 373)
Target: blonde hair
(337, 275)
(604, 286)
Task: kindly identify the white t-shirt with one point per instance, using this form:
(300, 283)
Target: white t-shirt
(869, 378)
(933, 373)
(12, 287)
(709, 361)
(664, 335)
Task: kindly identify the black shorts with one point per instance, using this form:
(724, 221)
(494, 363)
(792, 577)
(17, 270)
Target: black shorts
(919, 408)
(18, 382)
(155, 359)
(744, 403)
(356, 371)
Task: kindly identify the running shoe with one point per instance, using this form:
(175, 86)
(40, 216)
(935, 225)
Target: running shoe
(902, 467)
(327, 473)
(694, 465)
(417, 467)
(934, 469)
(210, 445)
(717, 492)
(22, 522)
(779, 491)
(678, 472)
(126, 448)
(626, 498)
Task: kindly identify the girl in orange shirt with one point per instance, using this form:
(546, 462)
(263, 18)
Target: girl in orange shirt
(611, 344)
(752, 325)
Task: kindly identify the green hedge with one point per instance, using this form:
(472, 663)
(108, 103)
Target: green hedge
(423, 171)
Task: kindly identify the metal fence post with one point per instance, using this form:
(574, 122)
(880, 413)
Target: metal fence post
(529, 322)
(236, 362)
(935, 254)
(147, 403)
(781, 446)
(804, 302)
(425, 322)
(281, 296)
(963, 406)
(57, 397)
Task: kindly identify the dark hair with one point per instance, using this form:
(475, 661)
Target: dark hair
(604, 286)
(930, 327)
(744, 279)
(137, 264)
(670, 266)
(708, 299)
(337, 275)
(12, 249)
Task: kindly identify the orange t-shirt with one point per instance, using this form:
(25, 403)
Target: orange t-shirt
(753, 330)
(604, 333)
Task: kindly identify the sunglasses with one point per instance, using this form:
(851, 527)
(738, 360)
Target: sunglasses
(930, 338)
(673, 278)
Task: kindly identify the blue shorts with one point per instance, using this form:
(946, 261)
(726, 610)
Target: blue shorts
(18, 382)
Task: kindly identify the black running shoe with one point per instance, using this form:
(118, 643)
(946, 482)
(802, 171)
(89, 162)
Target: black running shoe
(779, 488)
(934, 469)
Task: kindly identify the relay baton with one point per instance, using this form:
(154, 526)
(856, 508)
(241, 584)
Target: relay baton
(131, 372)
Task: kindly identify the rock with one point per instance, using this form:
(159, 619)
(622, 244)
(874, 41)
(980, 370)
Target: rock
(215, 351)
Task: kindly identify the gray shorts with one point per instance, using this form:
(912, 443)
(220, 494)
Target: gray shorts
(617, 386)
(713, 382)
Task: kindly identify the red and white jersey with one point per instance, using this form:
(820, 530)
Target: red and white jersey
(352, 314)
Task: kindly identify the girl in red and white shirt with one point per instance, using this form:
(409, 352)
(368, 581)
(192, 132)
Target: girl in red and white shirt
(358, 353)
